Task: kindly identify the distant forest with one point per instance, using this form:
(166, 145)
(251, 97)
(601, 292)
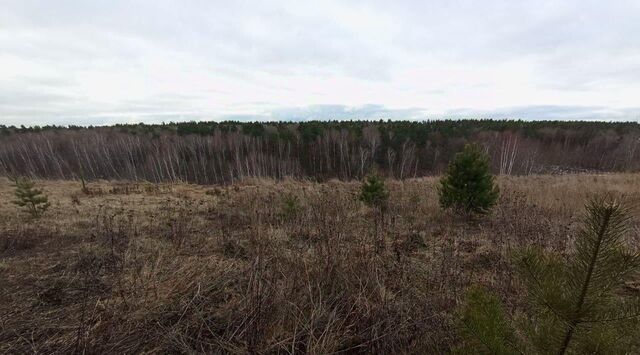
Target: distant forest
(223, 152)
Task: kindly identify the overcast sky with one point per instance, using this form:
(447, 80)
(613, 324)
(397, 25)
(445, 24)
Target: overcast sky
(100, 62)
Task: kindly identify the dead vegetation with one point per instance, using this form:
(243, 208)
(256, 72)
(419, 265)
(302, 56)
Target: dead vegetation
(266, 267)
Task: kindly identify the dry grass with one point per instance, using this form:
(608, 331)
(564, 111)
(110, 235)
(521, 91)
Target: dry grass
(185, 268)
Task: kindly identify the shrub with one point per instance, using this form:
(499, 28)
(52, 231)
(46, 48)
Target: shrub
(576, 305)
(468, 186)
(32, 199)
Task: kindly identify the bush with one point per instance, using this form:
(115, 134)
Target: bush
(468, 186)
(576, 305)
(32, 199)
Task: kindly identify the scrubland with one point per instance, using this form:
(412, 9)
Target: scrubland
(270, 267)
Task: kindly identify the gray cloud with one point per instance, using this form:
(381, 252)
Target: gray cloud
(108, 61)
(551, 112)
(341, 112)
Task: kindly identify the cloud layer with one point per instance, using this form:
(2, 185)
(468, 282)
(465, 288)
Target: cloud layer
(100, 62)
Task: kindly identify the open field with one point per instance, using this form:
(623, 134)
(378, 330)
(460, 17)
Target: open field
(263, 266)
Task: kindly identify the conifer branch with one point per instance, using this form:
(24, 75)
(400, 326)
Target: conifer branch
(573, 323)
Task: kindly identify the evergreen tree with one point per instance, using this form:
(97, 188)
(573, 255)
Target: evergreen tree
(468, 186)
(576, 305)
(484, 325)
(290, 206)
(82, 180)
(32, 199)
(374, 194)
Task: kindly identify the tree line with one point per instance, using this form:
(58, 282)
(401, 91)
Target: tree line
(223, 152)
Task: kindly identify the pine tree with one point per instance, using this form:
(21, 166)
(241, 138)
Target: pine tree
(32, 199)
(484, 325)
(576, 305)
(82, 180)
(374, 194)
(290, 206)
(468, 186)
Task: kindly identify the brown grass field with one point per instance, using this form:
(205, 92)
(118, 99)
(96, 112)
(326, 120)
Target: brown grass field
(142, 268)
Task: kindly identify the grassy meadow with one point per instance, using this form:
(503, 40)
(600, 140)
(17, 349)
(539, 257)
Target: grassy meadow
(270, 267)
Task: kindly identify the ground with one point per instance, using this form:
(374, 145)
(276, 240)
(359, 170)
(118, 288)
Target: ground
(266, 267)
